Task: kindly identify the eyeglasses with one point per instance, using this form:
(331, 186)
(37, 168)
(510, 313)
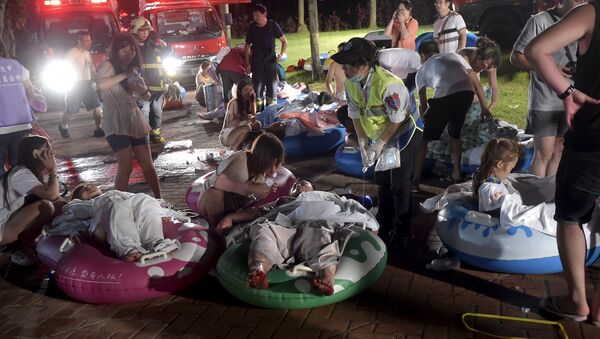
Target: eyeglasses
(439, 2)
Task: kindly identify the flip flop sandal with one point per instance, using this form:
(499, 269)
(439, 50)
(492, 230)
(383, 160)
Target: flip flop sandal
(550, 305)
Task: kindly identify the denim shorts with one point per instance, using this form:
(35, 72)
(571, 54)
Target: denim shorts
(119, 142)
(83, 92)
(546, 123)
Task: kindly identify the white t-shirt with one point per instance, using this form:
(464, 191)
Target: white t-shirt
(448, 37)
(82, 61)
(399, 61)
(541, 97)
(491, 195)
(21, 182)
(446, 74)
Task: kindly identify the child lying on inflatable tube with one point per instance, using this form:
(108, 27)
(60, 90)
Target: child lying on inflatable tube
(131, 223)
(311, 227)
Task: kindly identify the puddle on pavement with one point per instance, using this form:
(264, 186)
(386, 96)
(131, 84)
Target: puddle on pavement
(177, 159)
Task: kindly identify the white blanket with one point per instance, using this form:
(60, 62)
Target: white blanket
(530, 203)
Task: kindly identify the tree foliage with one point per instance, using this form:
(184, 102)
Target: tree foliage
(13, 17)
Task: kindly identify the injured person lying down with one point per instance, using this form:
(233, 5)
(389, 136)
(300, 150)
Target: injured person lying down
(308, 231)
(131, 223)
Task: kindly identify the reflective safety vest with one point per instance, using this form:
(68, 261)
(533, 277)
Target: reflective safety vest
(154, 73)
(375, 125)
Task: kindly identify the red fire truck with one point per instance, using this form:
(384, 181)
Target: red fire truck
(192, 29)
(56, 25)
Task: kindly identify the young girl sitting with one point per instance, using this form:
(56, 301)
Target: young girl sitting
(240, 119)
(241, 179)
(131, 223)
(22, 219)
(497, 161)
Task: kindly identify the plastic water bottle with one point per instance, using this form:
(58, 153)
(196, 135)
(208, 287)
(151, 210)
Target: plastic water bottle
(444, 264)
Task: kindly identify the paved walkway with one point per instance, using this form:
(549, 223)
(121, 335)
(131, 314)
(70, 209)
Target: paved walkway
(408, 301)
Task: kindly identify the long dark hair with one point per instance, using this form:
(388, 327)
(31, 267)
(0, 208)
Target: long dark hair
(265, 149)
(120, 41)
(28, 160)
(488, 49)
(495, 150)
(242, 106)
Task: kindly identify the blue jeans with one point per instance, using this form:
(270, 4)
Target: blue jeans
(10, 143)
(153, 109)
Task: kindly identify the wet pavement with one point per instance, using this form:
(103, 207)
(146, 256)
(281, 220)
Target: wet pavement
(408, 301)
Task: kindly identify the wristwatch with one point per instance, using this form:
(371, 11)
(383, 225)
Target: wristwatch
(566, 93)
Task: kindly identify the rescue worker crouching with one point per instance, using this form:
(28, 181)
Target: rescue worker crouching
(153, 50)
(380, 109)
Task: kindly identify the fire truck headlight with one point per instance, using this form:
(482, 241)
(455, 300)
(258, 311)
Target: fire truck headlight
(170, 65)
(59, 76)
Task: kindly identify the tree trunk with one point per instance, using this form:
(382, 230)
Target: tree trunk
(373, 16)
(301, 24)
(313, 26)
(224, 11)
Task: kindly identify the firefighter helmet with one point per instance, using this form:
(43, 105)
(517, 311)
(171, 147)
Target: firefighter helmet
(140, 23)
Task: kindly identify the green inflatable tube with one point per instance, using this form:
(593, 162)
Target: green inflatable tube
(361, 264)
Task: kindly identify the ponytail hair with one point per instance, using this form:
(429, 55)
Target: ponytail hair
(495, 150)
(488, 49)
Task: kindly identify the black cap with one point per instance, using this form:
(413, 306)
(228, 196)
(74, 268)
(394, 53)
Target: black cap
(355, 49)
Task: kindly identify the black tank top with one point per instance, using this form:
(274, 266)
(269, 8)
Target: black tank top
(585, 133)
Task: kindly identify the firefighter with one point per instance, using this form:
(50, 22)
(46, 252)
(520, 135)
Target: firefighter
(152, 50)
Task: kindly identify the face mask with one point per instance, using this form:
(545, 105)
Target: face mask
(357, 77)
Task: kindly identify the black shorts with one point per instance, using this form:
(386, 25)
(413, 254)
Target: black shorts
(119, 142)
(449, 110)
(577, 186)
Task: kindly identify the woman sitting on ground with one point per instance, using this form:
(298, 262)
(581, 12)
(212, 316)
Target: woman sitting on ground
(485, 56)
(131, 223)
(241, 179)
(240, 119)
(28, 197)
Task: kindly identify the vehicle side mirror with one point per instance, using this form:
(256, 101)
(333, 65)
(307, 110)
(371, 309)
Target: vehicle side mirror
(228, 19)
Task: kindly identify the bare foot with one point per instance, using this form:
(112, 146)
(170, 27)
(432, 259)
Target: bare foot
(324, 283)
(76, 239)
(596, 308)
(258, 279)
(135, 256)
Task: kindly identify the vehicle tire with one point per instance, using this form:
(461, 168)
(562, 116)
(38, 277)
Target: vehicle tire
(502, 27)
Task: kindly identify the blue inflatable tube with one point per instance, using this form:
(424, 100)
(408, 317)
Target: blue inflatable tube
(471, 39)
(303, 145)
(478, 239)
(347, 160)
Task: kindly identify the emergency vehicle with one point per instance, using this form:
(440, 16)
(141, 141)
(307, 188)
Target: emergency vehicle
(58, 22)
(192, 29)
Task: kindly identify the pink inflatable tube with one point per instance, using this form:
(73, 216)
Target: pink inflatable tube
(91, 273)
(283, 178)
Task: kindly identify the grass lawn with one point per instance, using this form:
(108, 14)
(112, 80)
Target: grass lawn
(512, 105)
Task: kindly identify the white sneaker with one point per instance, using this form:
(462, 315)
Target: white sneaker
(19, 258)
(166, 245)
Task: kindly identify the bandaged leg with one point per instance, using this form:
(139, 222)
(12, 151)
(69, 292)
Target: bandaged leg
(314, 243)
(121, 230)
(270, 246)
(147, 214)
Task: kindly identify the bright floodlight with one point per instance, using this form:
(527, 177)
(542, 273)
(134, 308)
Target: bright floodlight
(59, 76)
(170, 65)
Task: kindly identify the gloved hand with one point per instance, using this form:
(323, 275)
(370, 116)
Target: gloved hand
(375, 150)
